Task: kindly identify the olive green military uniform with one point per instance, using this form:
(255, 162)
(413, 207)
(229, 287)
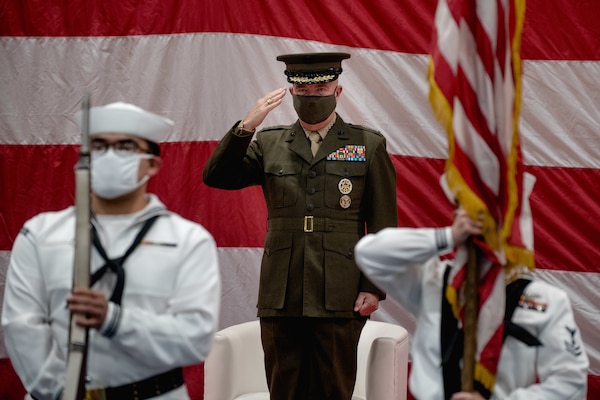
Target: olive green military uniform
(311, 274)
(318, 208)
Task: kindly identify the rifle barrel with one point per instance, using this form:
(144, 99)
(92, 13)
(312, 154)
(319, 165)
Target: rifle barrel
(78, 336)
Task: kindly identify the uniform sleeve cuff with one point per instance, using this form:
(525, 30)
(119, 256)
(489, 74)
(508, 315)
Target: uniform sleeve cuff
(239, 129)
(112, 321)
(443, 240)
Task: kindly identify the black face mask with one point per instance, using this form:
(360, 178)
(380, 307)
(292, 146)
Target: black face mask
(314, 109)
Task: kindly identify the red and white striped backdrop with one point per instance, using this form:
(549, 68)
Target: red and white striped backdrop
(204, 63)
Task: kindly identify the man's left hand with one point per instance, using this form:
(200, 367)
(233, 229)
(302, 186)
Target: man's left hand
(366, 303)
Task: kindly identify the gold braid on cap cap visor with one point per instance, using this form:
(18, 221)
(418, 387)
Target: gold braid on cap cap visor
(306, 78)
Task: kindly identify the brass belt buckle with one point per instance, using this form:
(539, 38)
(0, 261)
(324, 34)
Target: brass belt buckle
(308, 223)
(95, 394)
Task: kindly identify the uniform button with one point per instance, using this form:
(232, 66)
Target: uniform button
(312, 173)
(350, 254)
(293, 133)
(280, 172)
(310, 206)
(311, 191)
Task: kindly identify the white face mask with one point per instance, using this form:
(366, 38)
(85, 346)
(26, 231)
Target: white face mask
(114, 175)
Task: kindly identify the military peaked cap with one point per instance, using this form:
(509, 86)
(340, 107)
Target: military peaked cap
(310, 68)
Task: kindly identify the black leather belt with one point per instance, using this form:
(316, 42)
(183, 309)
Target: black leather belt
(144, 389)
(310, 223)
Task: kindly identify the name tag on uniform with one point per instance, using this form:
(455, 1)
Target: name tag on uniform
(350, 152)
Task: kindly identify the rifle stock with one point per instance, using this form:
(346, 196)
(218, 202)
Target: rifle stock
(78, 336)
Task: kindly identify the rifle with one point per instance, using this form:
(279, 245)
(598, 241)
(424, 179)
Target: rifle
(78, 336)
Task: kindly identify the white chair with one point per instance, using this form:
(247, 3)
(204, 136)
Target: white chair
(234, 370)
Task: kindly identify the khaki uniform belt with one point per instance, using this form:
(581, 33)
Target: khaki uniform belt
(144, 389)
(310, 223)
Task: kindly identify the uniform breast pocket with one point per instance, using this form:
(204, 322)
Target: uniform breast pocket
(57, 265)
(344, 183)
(152, 270)
(282, 183)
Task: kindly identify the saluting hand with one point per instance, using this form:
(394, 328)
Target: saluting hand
(366, 303)
(90, 304)
(263, 106)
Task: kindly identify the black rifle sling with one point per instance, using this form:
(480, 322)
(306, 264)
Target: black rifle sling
(116, 264)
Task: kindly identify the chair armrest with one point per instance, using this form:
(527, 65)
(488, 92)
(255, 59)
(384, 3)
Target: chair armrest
(387, 372)
(233, 366)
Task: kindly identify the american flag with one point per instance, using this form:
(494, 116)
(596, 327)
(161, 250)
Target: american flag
(475, 77)
(204, 63)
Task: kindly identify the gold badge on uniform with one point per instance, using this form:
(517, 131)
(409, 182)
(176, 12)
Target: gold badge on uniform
(345, 186)
(345, 201)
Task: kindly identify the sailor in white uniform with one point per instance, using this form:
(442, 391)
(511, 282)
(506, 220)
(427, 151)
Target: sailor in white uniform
(154, 303)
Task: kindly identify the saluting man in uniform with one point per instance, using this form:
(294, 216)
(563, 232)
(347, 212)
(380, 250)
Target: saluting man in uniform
(326, 184)
(155, 296)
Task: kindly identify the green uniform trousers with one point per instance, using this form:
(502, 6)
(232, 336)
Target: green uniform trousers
(310, 358)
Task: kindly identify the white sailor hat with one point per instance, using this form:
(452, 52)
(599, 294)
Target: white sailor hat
(129, 119)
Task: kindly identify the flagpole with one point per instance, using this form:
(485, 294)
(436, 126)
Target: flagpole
(470, 320)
